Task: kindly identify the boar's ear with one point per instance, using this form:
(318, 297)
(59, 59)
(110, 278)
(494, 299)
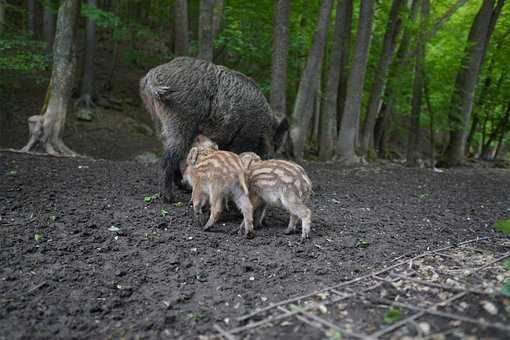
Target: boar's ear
(280, 133)
(192, 156)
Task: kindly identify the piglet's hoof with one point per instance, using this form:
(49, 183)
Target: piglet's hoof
(288, 231)
(167, 197)
(200, 220)
(250, 235)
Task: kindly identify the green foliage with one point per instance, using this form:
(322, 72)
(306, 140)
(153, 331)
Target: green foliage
(392, 315)
(22, 54)
(505, 290)
(38, 237)
(503, 226)
(506, 264)
(151, 198)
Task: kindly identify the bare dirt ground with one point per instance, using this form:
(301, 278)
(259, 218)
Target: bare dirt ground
(83, 255)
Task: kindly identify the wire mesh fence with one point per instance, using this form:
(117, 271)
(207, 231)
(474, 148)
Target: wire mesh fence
(451, 291)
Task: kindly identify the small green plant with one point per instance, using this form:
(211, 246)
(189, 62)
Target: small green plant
(164, 212)
(503, 226)
(150, 199)
(11, 173)
(362, 244)
(295, 308)
(506, 264)
(392, 315)
(38, 237)
(179, 204)
(333, 334)
(505, 290)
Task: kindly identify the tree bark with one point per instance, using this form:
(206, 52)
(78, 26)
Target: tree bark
(3, 5)
(398, 67)
(350, 117)
(48, 128)
(344, 66)
(431, 126)
(281, 11)
(31, 17)
(500, 154)
(461, 102)
(181, 28)
(376, 92)
(217, 15)
(49, 25)
(328, 118)
(205, 30)
(303, 108)
(88, 89)
(445, 17)
(413, 139)
(498, 130)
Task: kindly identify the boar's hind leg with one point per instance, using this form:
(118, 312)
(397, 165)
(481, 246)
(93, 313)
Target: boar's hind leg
(178, 139)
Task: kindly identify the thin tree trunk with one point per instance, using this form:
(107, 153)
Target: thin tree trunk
(88, 89)
(445, 17)
(431, 126)
(500, 146)
(304, 99)
(217, 15)
(31, 17)
(376, 92)
(205, 30)
(461, 102)
(316, 109)
(350, 117)
(344, 70)
(499, 129)
(281, 11)
(49, 25)
(398, 67)
(418, 85)
(181, 28)
(48, 128)
(328, 117)
(171, 28)
(3, 4)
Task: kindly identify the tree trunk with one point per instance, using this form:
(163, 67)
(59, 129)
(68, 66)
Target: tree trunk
(281, 11)
(344, 69)
(431, 126)
(398, 67)
(350, 116)
(31, 17)
(181, 28)
(316, 109)
(217, 15)
(498, 130)
(444, 19)
(3, 5)
(88, 89)
(374, 101)
(461, 102)
(48, 128)
(49, 25)
(328, 117)
(205, 30)
(413, 140)
(500, 154)
(303, 108)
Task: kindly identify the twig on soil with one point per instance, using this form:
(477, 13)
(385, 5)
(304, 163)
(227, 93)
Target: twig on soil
(364, 277)
(40, 285)
(224, 333)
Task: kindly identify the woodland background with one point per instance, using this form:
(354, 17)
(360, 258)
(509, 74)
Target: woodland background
(359, 80)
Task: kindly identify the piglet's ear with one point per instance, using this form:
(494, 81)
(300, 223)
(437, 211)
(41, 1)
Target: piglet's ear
(192, 156)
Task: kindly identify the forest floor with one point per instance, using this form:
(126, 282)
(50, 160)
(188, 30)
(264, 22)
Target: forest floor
(84, 254)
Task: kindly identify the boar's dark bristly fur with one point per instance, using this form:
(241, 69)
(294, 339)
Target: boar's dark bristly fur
(188, 96)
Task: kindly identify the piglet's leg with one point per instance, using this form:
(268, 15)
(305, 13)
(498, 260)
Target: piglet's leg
(216, 206)
(199, 199)
(299, 209)
(243, 203)
(292, 224)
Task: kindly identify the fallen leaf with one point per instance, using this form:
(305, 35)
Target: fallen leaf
(490, 307)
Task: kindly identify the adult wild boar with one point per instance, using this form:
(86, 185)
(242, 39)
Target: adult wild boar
(189, 96)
